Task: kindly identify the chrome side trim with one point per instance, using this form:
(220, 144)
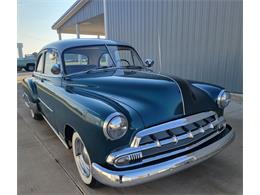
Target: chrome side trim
(170, 125)
(45, 104)
(54, 130)
(156, 171)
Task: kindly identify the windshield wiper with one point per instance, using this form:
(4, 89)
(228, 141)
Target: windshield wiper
(133, 67)
(90, 70)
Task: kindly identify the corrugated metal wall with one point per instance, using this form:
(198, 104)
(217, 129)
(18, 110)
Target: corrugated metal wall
(91, 9)
(195, 39)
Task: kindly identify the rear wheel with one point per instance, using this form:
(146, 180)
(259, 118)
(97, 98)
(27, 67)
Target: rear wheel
(30, 67)
(82, 160)
(35, 115)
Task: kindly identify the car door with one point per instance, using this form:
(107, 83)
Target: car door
(47, 84)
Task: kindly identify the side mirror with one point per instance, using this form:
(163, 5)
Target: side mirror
(149, 62)
(55, 69)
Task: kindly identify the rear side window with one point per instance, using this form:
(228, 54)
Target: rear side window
(51, 58)
(40, 63)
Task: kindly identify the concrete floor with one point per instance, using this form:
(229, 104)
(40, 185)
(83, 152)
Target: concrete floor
(45, 166)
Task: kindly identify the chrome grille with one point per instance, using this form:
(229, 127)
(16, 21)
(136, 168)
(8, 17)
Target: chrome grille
(170, 138)
(180, 133)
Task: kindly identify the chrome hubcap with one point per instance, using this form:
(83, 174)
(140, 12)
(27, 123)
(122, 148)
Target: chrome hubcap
(82, 158)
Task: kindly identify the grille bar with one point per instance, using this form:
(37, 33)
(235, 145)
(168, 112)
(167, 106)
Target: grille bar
(170, 125)
(166, 141)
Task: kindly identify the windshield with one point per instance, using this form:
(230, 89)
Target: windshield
(84, 59)
(125, 56)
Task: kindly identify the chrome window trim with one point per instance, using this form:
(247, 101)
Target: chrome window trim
(169, 125)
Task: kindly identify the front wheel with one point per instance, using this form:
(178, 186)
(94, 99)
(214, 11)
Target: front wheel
(82, 160)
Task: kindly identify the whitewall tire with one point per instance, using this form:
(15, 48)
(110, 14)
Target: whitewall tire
(82, 160)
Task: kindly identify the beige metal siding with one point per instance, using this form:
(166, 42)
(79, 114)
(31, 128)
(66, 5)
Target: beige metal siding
(198, 40)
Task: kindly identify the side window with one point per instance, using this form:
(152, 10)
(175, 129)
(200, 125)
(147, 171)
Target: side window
(40, 63)
(51, 58)
(105, 60)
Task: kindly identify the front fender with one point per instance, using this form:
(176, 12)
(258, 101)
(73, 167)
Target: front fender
(86, 115)
(212, 90)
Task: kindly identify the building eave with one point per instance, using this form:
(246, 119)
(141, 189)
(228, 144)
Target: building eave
(69, 13)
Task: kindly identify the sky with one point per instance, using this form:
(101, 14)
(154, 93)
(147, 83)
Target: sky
(34, 21)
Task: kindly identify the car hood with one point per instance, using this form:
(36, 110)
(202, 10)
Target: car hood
(156, 98)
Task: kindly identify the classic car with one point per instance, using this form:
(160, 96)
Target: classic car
(125, 123)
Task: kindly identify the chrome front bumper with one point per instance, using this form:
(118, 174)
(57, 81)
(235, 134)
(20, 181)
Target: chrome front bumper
(153, 172)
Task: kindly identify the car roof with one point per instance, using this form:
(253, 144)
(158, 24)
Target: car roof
(70, 43)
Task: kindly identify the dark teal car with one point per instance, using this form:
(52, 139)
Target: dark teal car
(125, 123)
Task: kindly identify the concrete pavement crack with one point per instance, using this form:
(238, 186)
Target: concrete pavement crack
(58, 162)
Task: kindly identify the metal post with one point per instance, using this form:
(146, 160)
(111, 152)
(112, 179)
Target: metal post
(78, 30)
(59, 34)
(105, 17)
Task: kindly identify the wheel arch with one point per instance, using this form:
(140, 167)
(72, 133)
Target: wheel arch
(30, 89)
(68, 133)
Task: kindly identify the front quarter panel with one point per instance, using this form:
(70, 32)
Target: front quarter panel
(211, 90)
(86, 115)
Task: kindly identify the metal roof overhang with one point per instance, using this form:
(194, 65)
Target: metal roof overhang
(69, 13)
(91, 26)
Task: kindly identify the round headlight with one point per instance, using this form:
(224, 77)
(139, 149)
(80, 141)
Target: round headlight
(224, 98)
(115, 126)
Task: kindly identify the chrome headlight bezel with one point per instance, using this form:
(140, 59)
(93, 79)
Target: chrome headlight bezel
(115, 118)
(223, 99)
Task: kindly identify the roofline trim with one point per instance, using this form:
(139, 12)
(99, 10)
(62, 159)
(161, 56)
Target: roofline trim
(69, 13)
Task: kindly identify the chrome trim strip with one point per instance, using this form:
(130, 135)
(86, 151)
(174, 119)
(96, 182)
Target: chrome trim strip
(54, 130)
(45, 104)
(152, 172)
(170, 125)
(111, 158)
(182, 99)
(173, 152)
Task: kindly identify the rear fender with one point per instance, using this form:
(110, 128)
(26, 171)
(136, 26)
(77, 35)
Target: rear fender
(30, 89)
